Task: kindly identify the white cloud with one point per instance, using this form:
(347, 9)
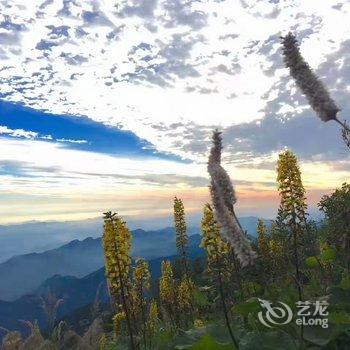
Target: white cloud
(18, 132)
(169, 71)
(42, 164)
(4, 130)
(43, 181)
(71, 141)
(133, 65)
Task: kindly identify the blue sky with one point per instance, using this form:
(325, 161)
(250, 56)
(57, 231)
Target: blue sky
(76, 132)
(107, 107)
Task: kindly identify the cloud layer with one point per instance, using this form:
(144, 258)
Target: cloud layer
(144, 83)
(148, 67)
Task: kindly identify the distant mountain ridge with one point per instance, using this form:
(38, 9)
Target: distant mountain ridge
(30, 237)
(75, 271)
(24, 273)
(76, 292)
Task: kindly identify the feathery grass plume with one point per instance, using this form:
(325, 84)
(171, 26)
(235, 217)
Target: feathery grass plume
(311, 86)
(50, 304)
(35, 340)
(223, 198)
(12, 340)
(307, 81)
(96, 305)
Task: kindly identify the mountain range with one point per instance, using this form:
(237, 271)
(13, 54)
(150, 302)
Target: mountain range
(29, 237)
(22, 274)
(77, 293)
(38, 237)
(74, 271)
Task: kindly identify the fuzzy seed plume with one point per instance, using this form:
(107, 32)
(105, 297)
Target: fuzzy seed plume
(310, 85)
(223, 198)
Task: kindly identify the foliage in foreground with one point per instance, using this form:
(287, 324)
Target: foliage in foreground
(293, 260)
(296, 260)
(216, 305)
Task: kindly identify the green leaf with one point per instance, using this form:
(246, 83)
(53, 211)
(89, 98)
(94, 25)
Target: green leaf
(267, 341)
(318, 335)
(328, 255)
(200, 298)
(162, 339)
(345, 282)
(219, 333)
(311, 261)
(207, 342)
(339, 317)
(340, 297)
(252, 306)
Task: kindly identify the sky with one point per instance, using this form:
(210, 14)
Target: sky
(110, 105)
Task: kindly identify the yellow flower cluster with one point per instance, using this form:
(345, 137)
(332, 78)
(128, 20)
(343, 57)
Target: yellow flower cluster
(217, 249)
(198, 323)
(181, 232)
(291, 188)
(323, 246)
(275, 248)
(117, 248)
(185, 294)
(166, 284)
(142, 276)
(118, 319)
(153, 317)
(180, 222)
(142, 282)
(263, 241)
(103, 342)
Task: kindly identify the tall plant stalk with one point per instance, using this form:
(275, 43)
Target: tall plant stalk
(223, 199)
(117, 249)
(311, 86)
